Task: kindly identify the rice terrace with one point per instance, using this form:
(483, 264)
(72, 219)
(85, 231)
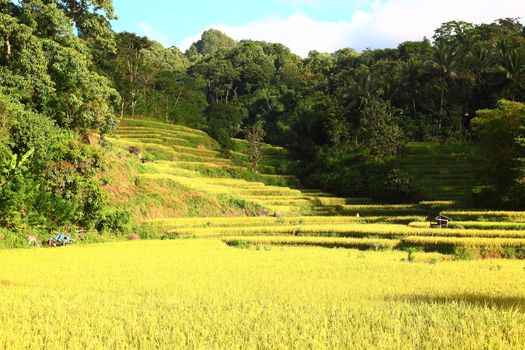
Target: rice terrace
(240, 194)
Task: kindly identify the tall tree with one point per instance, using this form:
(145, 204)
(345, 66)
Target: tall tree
(445, 64)
(500, 140)
(130, 72)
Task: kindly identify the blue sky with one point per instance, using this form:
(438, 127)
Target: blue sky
(304, 25)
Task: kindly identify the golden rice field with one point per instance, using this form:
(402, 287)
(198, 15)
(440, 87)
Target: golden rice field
(256, 262)
(203, 294)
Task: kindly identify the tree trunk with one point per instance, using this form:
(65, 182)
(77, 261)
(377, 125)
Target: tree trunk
(414, 104)
(441, 105)
(7, 48)
(176, 103)
(133, 101)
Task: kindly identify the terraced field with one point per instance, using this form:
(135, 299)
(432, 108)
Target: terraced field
(250, 264)
(283, 213)
(192, 159)
(444, 172)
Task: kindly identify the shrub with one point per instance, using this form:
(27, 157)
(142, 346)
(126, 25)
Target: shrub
(37, 132)
(394, 185)
(238, 243)
(133, 237)
(464, 253)
(147, 232)
(224, 121)
(411, 253)
(116, 221)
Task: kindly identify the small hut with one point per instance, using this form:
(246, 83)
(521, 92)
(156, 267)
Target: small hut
(438, 221)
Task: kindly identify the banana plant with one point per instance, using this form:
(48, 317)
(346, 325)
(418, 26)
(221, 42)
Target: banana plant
(14, 166)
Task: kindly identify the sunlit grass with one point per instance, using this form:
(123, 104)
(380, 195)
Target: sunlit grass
(346, 230)
(204, 294)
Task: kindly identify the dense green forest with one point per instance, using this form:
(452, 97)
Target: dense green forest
(344, 116)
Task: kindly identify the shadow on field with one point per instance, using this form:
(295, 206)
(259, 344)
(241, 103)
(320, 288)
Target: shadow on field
(470, 299)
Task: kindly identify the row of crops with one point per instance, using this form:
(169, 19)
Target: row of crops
(364, 233)
(294, 216)
(192, 159)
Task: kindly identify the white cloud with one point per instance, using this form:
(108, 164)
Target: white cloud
(300, 33)
(394, 21)
(153, 33)
(388, 23)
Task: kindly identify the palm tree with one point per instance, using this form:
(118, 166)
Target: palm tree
(410, 78)
(445, 64)
(512, 65)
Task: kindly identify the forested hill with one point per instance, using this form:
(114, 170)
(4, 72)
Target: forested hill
(346, 117)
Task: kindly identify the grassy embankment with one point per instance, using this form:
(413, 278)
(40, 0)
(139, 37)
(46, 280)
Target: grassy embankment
(189, 188)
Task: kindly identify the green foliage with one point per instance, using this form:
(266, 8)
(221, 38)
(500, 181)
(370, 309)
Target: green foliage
(499, 133)
(211, 41)
(393, 185)
(463, 253)
(344, 115)
(49, 68)
(238, 243)
(239, 205)
(37, 132)
(370, 102)
(255, 136)
(379, 130)
(224, 122)
(50, 95)
(114, 221)
(411, 253)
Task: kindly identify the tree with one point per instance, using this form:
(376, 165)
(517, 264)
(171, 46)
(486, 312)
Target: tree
(411, 74)
(49, 68)
(92, 22)
(445, 64)
(512, 66)
(255, 136)
(379, 132)
(210, 42)
(500, 145)
(224, 121)
(131, 76)
(50, 94)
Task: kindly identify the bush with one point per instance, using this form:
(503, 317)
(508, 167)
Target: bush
(37, 132)
(148, 232)
(115, 221)
(238, 243)
(224, 122)
(394, 185)
(464, 253)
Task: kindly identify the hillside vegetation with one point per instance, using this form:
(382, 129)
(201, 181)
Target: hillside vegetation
(251, 198)
(341, 121)
(179, 184)
(174, 160)
(443, 172)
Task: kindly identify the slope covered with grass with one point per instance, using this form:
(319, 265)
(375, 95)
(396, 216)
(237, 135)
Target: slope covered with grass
(178, 183)
(444, 172)
(177, 171)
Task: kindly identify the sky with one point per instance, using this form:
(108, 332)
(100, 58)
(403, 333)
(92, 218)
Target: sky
(305, 25)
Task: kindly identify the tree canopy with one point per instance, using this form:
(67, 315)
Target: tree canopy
(65, 73)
